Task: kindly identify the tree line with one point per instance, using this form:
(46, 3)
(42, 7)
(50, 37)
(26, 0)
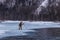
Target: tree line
(23, 12)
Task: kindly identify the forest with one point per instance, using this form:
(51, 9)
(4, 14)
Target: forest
(26, 10)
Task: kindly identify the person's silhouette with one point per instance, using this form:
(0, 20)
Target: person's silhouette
(20, 25)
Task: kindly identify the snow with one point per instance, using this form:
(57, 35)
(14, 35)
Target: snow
(6, 33)
(45, 3)
(2, 32)
(10, 21)
(10, 28)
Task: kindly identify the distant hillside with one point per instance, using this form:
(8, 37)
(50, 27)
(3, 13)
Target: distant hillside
(25, 10)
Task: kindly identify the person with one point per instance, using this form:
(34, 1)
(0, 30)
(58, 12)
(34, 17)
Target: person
(20, 25)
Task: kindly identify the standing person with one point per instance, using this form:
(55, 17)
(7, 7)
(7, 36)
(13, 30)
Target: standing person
(20, 25)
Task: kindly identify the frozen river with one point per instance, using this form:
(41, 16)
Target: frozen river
(10, 28)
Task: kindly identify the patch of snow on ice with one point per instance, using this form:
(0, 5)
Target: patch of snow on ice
(2, 32)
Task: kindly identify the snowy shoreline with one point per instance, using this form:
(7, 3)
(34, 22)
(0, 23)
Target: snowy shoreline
(10, 28)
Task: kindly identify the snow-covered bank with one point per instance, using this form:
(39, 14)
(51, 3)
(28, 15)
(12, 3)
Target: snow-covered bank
(10, 28)
(9, 21)
(29, 24)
